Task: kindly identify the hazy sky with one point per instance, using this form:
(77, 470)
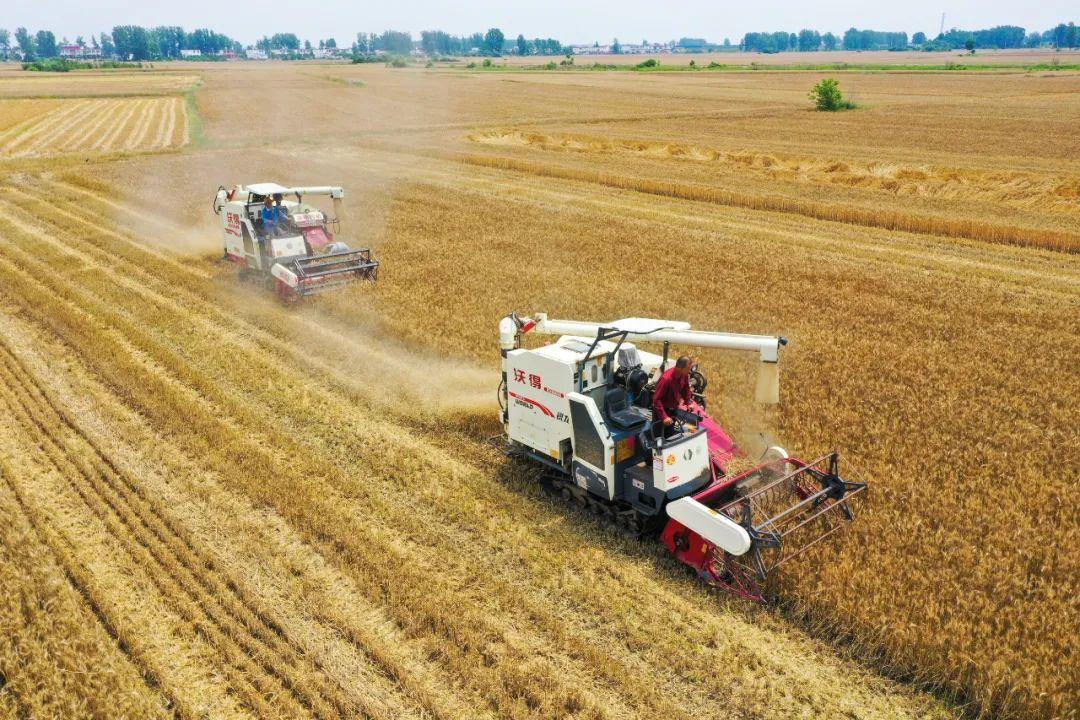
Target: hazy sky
(571, 21)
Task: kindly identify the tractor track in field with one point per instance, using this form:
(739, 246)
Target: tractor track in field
(146, 121)
(17, 135)
(851, 214)
(105, 301)
(262, 656)
(1009, 264)
(269, 633)
(27, 120)
(41, 133)
(384, 674)
(166, 125)
(77, 578)
(98, 125)
(78, 137)
(106, 139)
(330, 545)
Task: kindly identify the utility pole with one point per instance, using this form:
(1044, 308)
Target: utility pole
(941, 30)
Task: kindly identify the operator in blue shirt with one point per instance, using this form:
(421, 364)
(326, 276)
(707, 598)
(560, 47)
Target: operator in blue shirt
(271, 217)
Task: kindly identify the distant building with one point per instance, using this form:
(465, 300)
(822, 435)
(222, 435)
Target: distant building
(190, 53)
(256, 54)
(73, 51)
(596, 49)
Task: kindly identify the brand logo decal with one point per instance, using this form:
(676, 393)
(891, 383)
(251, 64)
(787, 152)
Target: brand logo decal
(670, 459)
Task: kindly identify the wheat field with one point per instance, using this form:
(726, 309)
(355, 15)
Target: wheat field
(215, 506)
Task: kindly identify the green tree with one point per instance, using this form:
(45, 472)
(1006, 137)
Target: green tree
(169, 40)
(969, 45)
(616, 48)
(132, 42)
(393, 41)
(26, 44)
(108, 48)
(522, 46)
(493, 41)
(45, 42)
(827, 96)
(208, 42)
(5, 43)
(809, 40)
(918, 38)
(829, 41)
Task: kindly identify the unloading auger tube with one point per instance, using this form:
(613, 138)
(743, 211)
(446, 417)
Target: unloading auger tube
(581, 408)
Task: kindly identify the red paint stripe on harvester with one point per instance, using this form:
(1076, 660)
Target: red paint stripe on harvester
(522, 398)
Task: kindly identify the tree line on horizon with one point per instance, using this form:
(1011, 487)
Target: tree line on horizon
(132, 42)
(1000, 37)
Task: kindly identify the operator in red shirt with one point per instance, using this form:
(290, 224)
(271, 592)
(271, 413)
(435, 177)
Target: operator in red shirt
(672, 393)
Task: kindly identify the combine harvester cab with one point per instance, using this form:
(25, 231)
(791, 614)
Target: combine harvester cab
(581, 408)
(300, 257)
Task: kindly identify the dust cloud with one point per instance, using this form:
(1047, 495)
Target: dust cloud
(342, 336)
(752, 425)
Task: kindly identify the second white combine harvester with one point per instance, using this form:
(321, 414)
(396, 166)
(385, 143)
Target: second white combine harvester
(581, 407)
(300, 256)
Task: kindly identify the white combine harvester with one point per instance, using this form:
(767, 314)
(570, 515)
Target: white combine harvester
(581, 407)
(300, 257)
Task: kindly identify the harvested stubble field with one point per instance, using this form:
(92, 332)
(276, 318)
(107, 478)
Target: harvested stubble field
(99, 126)
(213, 506)
(48, 114)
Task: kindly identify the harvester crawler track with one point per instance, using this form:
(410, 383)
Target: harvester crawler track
(626, 519)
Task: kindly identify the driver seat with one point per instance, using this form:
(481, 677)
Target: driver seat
(622, 416)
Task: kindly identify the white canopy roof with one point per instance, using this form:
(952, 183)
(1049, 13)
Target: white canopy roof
(266, 188)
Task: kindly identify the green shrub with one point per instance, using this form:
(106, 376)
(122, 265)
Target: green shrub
(487, 62)
(650, 63)
(827, 96)
(65, 65)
